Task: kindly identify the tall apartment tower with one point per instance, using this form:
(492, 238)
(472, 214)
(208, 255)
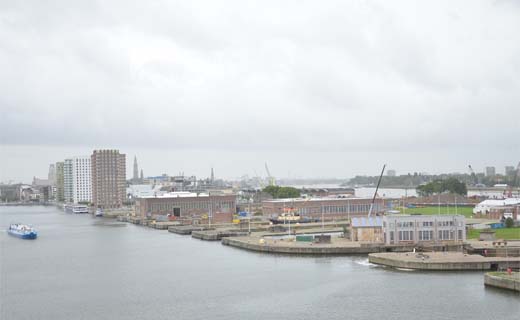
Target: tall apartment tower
(59, 182)
(77, 186)
(67, 181)
(52, 174)
(490, 171)
(136, 170)
(108, 178)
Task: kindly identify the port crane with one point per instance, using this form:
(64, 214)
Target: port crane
(375, 193)
(269, 176)
(473, 175)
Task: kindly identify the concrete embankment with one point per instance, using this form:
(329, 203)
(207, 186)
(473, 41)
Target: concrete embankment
(442, 261)
(253, 244)
(215, 235)
(503, 280)
(187, 230)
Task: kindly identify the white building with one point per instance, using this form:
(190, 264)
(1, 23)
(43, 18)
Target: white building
(143, 190)
(485, 206)
(77, 181)
(424, 229)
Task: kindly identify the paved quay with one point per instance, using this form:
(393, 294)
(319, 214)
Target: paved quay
(337, 246)
(503, 280)
(442, 261)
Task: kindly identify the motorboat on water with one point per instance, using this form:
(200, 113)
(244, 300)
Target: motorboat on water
(22, 231)
(76, 208)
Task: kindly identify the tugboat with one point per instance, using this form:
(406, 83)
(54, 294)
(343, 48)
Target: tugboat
(22, 231)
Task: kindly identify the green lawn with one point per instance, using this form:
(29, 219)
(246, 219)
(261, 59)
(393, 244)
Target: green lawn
(505, 233)
(465, 211)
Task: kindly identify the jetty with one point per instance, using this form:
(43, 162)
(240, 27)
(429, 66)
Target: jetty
(503, 280)
(443, 261)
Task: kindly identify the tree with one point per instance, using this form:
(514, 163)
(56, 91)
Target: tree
(282, 192)
(452, 185)
(509, 222)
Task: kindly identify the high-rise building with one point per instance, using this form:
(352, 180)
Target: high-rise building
(52, 174)
(490, 171)
(77, 181)
(59, 182)
(67, 181)
(509, 171)
(135, 178)
(142, 176)
(108, 178)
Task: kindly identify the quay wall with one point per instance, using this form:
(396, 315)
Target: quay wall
(310, 250)
(494, 280)
(434, 266)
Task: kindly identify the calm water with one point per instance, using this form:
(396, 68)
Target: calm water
(80, 268)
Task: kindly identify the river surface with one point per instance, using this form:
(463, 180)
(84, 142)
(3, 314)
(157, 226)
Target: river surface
(81, 267)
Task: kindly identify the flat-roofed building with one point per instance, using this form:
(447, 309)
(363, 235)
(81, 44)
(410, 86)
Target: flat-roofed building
(108, 178)
(60, 196)
(417, 229)
(330, 208)
(368, 229)
(77, 180)
(188, 206)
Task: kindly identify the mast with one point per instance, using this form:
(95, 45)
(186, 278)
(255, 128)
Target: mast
(375, 193)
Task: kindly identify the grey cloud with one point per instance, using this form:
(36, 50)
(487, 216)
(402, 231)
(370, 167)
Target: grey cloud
(261, 76)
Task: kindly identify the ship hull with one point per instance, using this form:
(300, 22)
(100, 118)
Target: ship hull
(28, 236)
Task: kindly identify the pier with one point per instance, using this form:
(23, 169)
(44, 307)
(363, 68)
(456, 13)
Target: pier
(503, 280)
(443, 261)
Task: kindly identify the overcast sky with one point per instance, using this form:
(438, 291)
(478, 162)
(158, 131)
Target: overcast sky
(313, 88)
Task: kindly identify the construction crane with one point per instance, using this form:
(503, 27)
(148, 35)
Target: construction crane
(473, 175)
(375, 193)
(269, 176)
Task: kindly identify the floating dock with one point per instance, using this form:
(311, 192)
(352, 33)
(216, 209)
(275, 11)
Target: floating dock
(443, 261)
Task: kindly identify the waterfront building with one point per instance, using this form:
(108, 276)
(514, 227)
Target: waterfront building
(496, 209)
(67, 181)
(329, 208)
(60, 197)
(188, 207)
(418, 229)
(77, 185)
(108, 178)
(368, 229)
(490, 171)
(326, 192)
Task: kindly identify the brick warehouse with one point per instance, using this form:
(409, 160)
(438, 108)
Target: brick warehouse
(188, 207)
(332, 208)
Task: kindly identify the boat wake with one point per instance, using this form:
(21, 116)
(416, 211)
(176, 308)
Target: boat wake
(365, 263)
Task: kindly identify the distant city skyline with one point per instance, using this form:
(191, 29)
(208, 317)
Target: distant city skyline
(196, 162)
